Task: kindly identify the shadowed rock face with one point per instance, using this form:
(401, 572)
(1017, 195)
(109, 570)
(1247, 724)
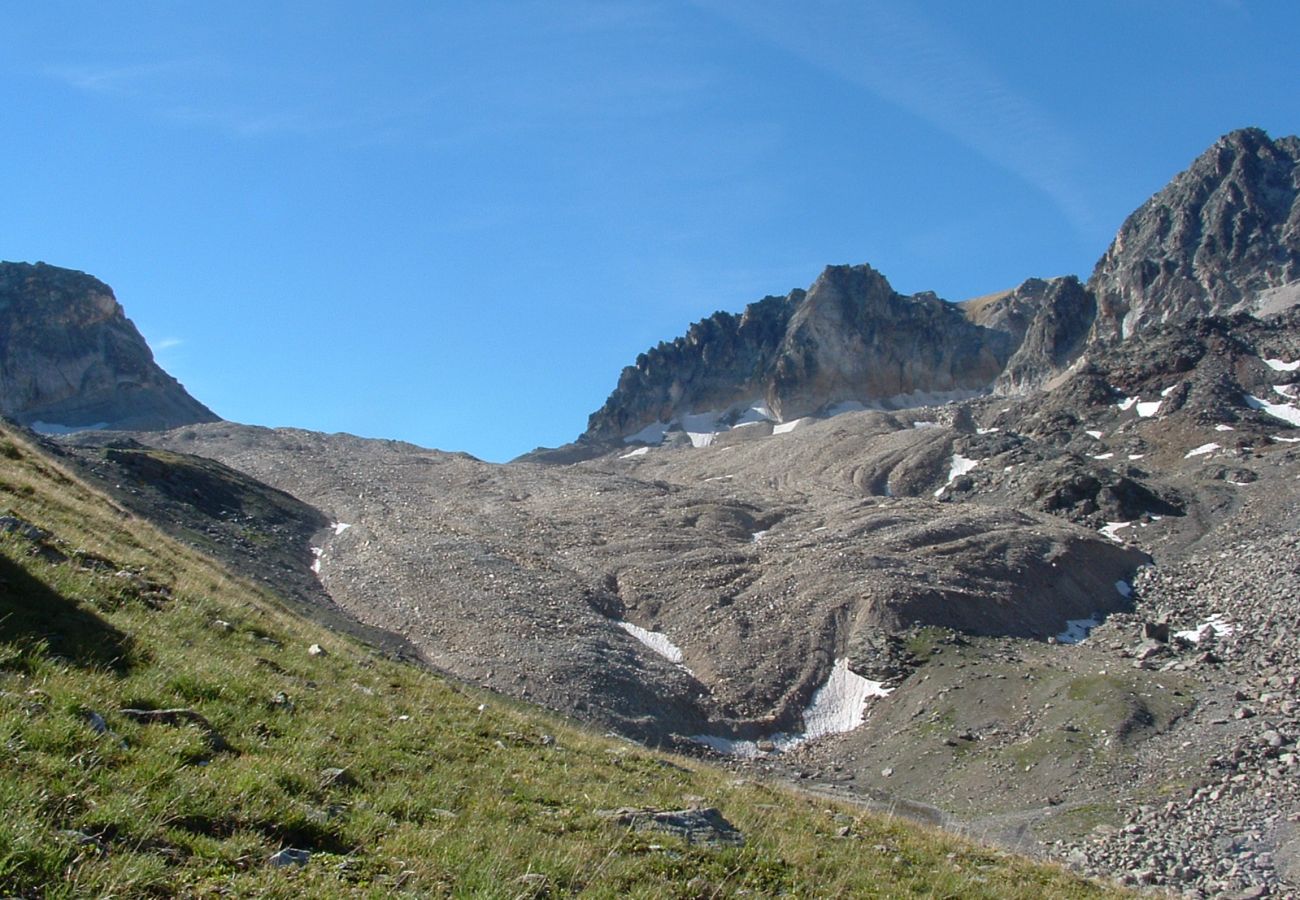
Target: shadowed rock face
(1048, 321)
(1223, 235)
(70, 358)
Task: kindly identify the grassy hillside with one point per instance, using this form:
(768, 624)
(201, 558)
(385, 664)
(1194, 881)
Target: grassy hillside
(395, 781)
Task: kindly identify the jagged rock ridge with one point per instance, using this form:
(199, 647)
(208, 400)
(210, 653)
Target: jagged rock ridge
(1224, 235)
(848, 338)
(69, 357)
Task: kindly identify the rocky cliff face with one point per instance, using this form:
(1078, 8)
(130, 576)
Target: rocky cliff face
(1223, 235)
(69, 357)
(854, 339)
(1048, 323)
(720, 362)
(850, 338)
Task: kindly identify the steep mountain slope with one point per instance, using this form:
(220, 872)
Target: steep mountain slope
(170, 730)
(70, 359)
(1223, 235)
(761, 588)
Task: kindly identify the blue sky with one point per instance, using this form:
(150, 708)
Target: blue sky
(454, 223)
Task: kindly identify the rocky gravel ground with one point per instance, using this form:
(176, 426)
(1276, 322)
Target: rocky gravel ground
(1233, 828)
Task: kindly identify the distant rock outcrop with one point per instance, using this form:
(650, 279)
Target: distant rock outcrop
(1222, 236)
(70, 359)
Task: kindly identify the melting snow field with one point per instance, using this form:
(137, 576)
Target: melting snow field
(959, 465)
(1214, 625)
(1222, 427)
(783, 427)
(340, 527)
(838, 706)
(1111, 530)
(655, 640)
(651, 434)
(1278, 365)
(315, 563)
(1077, 630)
(639, 451)
(1284, 411)
(1094, 434)
(1202, 450)
(1145, 409)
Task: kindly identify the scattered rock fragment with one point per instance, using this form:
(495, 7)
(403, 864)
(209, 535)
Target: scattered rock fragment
(695, 826)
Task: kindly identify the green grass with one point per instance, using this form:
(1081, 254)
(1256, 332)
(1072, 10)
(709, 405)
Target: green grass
(449, 790)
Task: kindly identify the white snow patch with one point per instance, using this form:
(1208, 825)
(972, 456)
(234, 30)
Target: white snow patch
(1278, 365)
(639, 451)
(987, 430)
(340, 527)
(959, 465)
(1077, 630)
(1215, 624)
(1285, 390)
(1126, 404)
(1136, 455)
(925, 425)
(1111, 530)
(1103, 456)
(838, 706)
(1149, 408)
(1222, 427)
(1124, 588)
(1202, 450)
(784, 427)
(56, 429)
(315, 563)
(655, 640)
(1169, 390)
(651, 434)
(702, 428)
(758, 535)
(757, 413)
(1284, 411)
(1284, 440)
(1094, 434)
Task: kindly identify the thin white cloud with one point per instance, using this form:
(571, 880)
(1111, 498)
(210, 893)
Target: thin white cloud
(121, 79)
(198, 92)
(167, 344)
(916, 65)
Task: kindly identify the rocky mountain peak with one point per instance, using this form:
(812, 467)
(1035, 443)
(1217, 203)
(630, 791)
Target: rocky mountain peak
(850, 338)
(1223, 235)
(70, 358)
